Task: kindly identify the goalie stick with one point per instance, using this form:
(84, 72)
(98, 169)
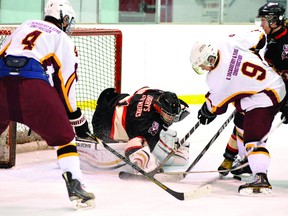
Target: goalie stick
(199, 192)
(125, 175)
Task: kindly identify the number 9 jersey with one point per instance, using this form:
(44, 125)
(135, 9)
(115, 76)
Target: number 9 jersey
(241, 77)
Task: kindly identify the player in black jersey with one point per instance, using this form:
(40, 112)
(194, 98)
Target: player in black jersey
(138, 120)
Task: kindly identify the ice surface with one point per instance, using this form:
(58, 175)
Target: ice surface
(35, 186)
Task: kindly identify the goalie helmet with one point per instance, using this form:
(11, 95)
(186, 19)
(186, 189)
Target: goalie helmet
(273, 12)
(168, 105)
(62, 12)
(203, 54)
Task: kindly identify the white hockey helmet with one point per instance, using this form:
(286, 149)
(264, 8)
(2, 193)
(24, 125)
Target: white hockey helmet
(203, 53)
(62, 11)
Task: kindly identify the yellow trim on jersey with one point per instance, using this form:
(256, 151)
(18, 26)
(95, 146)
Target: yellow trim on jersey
(214, 108)
(63, 87)
(276, 94)
(70, 80)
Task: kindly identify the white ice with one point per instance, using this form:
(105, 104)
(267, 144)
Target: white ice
(35, 186)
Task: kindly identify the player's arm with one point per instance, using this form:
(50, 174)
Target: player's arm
(68, 89)
(205, 115)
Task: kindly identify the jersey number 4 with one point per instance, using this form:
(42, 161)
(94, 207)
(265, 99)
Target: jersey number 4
(29, 40)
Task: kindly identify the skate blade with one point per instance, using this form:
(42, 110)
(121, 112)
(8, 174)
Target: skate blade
(259, 192)
(77, 204)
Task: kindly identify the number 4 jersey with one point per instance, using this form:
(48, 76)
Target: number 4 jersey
(241, 77)
(53, 49)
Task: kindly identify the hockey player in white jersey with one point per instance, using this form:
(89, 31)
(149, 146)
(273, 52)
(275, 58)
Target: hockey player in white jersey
(38, 64)
(237, 75)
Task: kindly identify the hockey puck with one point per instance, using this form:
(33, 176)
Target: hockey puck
(237, 177)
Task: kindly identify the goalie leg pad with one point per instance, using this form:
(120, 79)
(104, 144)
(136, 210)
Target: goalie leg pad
(144, 159)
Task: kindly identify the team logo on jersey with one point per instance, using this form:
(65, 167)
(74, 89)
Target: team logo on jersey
(153, 130)
(285, 51)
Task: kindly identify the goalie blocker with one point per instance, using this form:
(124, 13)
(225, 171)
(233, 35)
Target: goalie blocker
(94, 157)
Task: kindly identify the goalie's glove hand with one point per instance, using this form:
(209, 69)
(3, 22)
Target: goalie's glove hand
(79, 123)
(205, 116)
(284, 113)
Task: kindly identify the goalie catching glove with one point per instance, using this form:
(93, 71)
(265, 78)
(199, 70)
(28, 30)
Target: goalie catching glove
(79, 123)
(205, 116)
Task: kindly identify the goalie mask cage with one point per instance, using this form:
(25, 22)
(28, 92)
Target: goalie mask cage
(100, 57)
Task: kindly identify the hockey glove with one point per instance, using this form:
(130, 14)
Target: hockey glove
(79, 123)
(205, 116)
(284, 111)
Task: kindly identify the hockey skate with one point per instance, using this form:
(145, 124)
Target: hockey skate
(260, 186)
(244, 170)
(77, 195)
(225, 165)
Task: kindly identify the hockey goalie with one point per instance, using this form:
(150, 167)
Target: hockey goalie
(137, 126)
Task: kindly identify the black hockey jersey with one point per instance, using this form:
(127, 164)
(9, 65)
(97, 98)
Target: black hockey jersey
(276, 53)
(129, 116)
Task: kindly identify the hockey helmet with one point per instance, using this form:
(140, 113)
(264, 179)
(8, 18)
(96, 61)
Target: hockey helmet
(203, 53)
(273, 12)
(62, 11)
(168, 105)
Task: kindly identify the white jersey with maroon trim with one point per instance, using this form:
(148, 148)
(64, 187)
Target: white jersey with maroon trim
(49, 45)
(241, 77)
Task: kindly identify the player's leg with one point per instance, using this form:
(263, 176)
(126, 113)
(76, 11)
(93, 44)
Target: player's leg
(44, 113)
(4, 105)
(102, 116)
(241, 153)
(230, 153)
(231, 150)
(256, 125)
(139, 152)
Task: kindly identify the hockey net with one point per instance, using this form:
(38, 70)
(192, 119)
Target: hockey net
(100, 57)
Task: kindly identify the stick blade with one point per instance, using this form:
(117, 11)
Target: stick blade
(198, 192)
(159, 176)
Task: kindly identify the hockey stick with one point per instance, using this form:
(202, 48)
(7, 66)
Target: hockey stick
(199, 171)
(125, 175)
(209, 144)
(173, 151)
(179, 195)
(239, 164)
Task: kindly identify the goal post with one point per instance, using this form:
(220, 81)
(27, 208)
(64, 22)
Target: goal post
(100, 64)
